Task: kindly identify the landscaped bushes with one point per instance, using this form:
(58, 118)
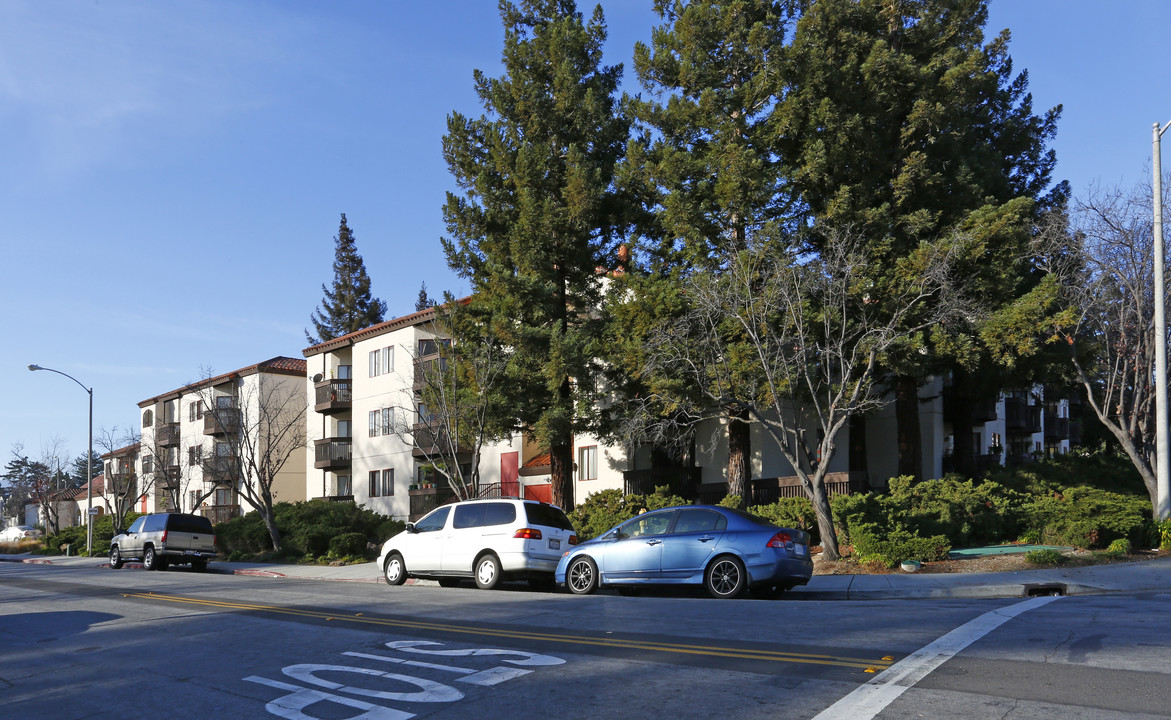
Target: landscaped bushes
(795, 513)
(604, 509)
(75, 536)
(315, 529)
(1087, 517)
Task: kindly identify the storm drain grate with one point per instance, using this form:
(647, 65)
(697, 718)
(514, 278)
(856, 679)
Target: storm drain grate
(1045, 589)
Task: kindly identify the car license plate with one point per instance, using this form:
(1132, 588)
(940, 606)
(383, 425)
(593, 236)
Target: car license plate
(554, 544)
(190, 552)
(801, 549)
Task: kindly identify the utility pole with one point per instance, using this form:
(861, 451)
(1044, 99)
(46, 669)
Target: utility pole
(1163, 501)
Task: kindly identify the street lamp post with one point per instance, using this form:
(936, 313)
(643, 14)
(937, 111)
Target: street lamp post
(1162, 502)
(89, 462)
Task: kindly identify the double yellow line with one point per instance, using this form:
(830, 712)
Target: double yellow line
(866, 664)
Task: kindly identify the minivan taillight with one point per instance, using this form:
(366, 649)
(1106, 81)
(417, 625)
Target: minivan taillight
(781, 540)
(572, 539)
(528, 534)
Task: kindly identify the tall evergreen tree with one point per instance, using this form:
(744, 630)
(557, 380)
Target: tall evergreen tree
(705, 164)
(424, 300)
(536, 217)
(898, 121)
(349, 306)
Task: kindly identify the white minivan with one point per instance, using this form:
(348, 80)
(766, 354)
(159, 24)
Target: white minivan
(487, 540)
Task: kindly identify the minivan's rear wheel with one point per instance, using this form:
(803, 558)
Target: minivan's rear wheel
(150, 561)
(487, 572)
(725, 578)
(582, 576)
(115, 558)
(395, 571)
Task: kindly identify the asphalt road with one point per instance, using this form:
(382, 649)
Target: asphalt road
(93, 643)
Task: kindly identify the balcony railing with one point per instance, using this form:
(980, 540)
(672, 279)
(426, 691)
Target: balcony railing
(222, 421)
(167, 434)
(332, 453)
(333, 396)
(1021, 417)
(1056, 428)
(683, 482)
(424, 500)
(220, 513)
(220, 470)
(426, 367)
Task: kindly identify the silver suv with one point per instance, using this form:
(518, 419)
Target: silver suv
(165, 539)
(488, 540)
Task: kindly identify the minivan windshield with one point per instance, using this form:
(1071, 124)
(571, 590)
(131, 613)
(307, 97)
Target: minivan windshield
(547, 515)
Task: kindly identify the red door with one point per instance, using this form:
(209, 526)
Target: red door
(509, 473)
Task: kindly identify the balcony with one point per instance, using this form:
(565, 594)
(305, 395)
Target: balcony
(1056, 428)
(424, 500)
(167, 434)
(683, 482)
(425, 368)
(1020, 417)
(429, 441)
(220, 470)
(333, 396)
(332, 453)
(222, 421)
(220, 513)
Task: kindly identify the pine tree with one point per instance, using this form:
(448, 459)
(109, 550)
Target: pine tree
(349, 306)
(424, 300)
(535, 220)
(710, 172)
(899, 122)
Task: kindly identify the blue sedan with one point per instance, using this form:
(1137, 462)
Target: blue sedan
(726, 550)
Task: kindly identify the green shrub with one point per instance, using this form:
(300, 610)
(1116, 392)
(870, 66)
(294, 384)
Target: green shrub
(307, 529)
(967, 512)
(1046, 556)
(604, 509)
(796, 512)
(1088, 517)
(894, 545)
(347, 545)
(731, 501)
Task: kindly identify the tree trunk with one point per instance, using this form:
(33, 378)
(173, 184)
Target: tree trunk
(907, 417)
(825, 522)
(739, 456)
(274, 533)
(561, 475)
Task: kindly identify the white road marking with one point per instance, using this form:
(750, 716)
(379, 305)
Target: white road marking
(868, 700)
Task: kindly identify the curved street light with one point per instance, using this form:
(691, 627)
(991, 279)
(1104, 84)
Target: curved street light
(89, 463)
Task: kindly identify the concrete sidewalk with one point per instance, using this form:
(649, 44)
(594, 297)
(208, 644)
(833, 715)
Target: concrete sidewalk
(1128, 577)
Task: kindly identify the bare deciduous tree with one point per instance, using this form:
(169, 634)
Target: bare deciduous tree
(263, 423)
(795, 340)
(458, 391)
(1105, 267)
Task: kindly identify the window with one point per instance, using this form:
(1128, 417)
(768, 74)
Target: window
(193, 455)
(655, 523)
(381, 361)
(147, 465)
(696, 520)
(483, 515)
(195, 411)
(430, 346)
(223, 496)
(434, 521)
(343, 486)
(225, 402)
(587, 463)
(381, 422)
(388, 482)
(148, 418)
(343, 372)
(223, 450)
(374, 477)
(193, 498)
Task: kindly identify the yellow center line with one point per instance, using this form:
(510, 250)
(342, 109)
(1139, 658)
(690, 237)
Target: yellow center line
(871, 665)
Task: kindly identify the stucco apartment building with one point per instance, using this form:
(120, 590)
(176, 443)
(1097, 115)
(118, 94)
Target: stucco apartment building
(362, 390)
(191, 437)
(362, 385)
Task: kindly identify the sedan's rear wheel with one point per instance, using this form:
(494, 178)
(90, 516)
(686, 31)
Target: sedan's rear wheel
(725, 578)
(395, 571)
(582, 576)
(115, 558)
(487, 572)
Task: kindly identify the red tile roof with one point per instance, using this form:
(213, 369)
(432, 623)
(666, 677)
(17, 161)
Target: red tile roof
(279, 365)
(417, 318)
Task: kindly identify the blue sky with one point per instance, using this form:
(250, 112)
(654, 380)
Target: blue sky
(173, 173)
